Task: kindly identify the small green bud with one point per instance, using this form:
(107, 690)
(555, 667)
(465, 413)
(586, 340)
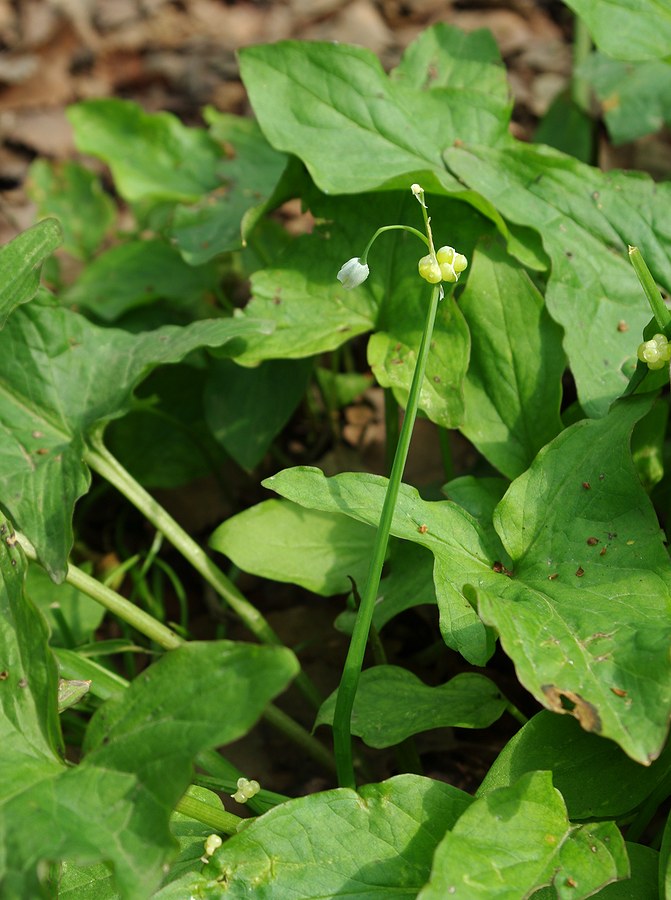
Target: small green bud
(429, 269)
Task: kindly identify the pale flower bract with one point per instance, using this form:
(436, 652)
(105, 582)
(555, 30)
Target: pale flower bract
(353, 273)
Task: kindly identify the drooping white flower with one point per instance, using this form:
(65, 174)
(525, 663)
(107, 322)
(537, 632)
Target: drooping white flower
(353, 273)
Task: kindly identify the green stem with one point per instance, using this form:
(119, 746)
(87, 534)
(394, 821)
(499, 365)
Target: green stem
(219, 767)
(391, 427)
(300, 736)
(167, 639)
(446, 453)
(384, 228)
(102, 461)
(217, 819)
(115, 603)
(352, 669)
(582, 46)
(659, 310)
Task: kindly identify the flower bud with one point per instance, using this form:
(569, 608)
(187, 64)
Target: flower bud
(353, 273)
(429, 269)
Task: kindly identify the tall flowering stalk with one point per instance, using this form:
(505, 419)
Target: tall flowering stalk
(436, 267)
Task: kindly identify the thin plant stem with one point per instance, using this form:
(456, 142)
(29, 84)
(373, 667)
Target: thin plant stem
(299, 736)
(582, 47)
(660, 312)
(391, 427)
(164, 637)
(115, 603)
(446, 453)
(102, 461)
(352, 669)
(217, 819)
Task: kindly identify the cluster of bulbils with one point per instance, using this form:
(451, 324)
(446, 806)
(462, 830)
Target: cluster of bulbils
(440, 265)
(246, 790)
(446, 265)
(656, 352)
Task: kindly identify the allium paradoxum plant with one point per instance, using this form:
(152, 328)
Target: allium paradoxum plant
(436, 267)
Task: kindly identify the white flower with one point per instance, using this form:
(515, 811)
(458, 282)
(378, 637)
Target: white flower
(353, 273)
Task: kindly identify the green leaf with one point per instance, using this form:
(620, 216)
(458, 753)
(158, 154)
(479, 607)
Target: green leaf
(596, 779)
(341, 388)
(392, 354)
(86, 882)
(665, 861)
(72, 616)
(223, 219)
(519, 838)
(191, 835)
(285, 542)
(567, 127)
(580, 593)
(167, 444)
(378, 842)
(627, 29)
(635, 97)
(392, 704)
(407, 582)
(463, 553)
(73, 376)
(29, 727)
(115, 805)
(152, 155)
(584, 617)
(356, 129)
(246, 408)
(512, 390)
(586, 218)
(138, 273)
(314, 313)
(647, 445)
(20, 264)
(479, 497)
(644, 864)
(75, 196)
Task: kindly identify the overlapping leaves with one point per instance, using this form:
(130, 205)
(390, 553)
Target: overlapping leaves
(580, 594)
(60, 376)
